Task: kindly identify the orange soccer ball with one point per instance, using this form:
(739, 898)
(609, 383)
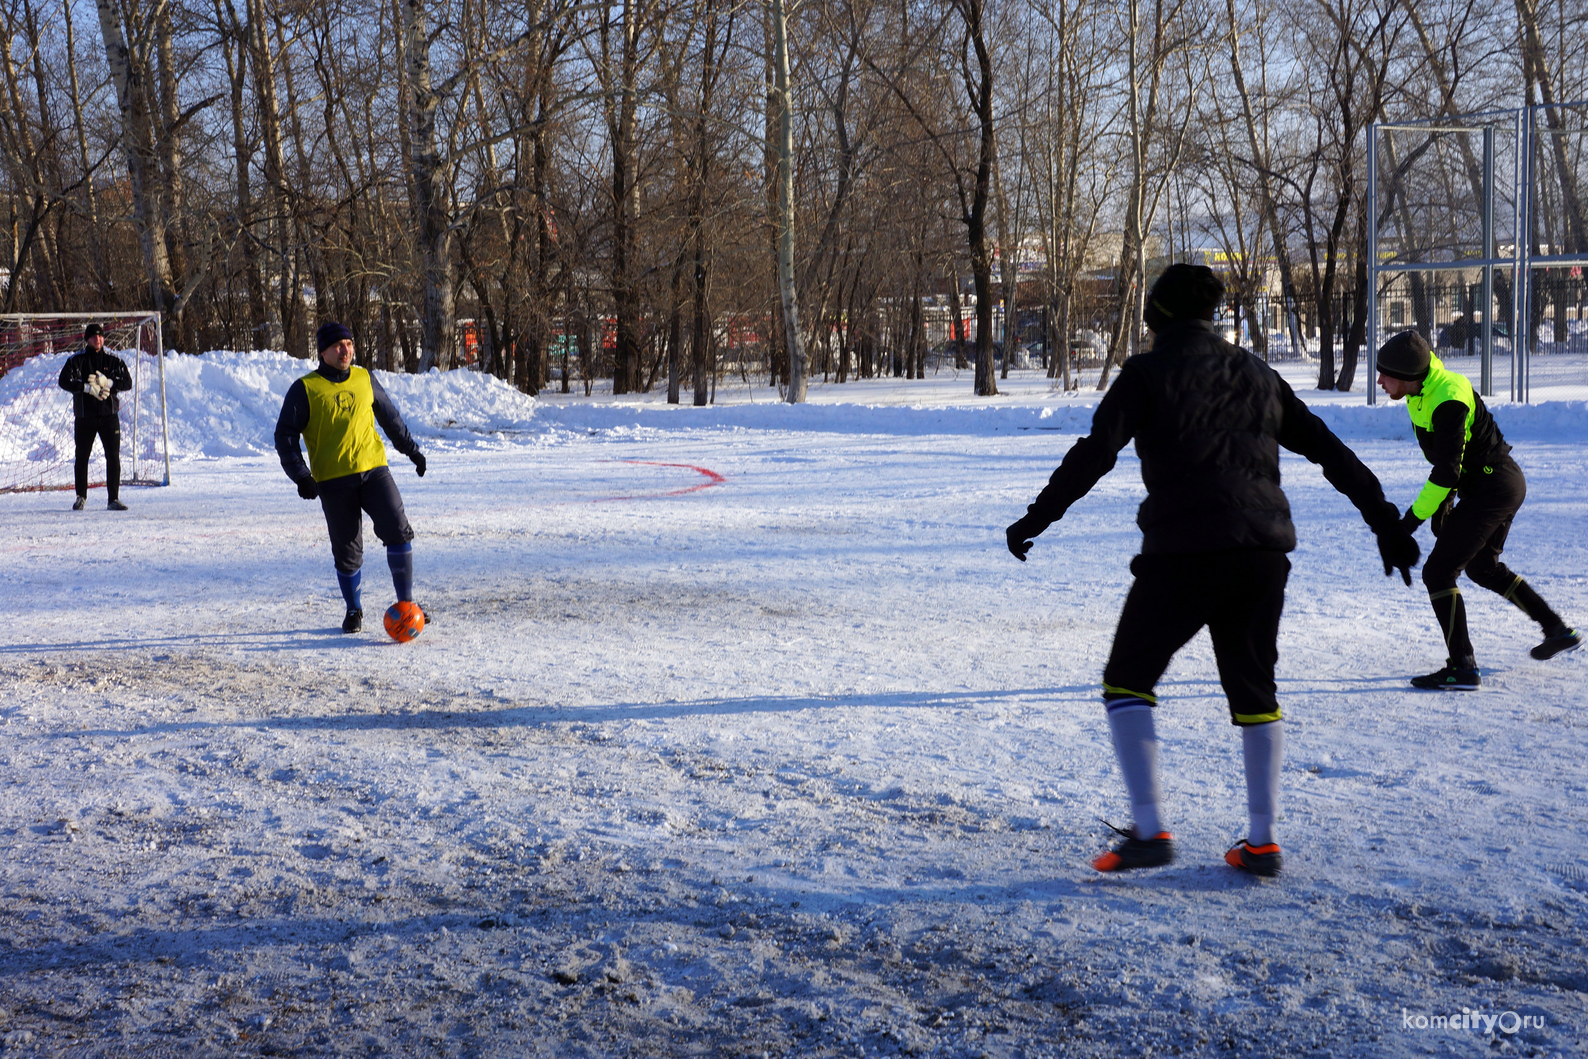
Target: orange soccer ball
(404, 621)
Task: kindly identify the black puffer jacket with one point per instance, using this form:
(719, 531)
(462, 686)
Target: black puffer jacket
(1208, 419)
(74, 377)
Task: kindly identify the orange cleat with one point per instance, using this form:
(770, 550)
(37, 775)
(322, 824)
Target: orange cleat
(1135, 852)
(1259, 860)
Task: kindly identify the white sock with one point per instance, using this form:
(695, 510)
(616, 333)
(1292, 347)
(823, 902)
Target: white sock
(1136, 747)
(1263, 746)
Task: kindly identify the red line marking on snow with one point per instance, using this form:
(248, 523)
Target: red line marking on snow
(713, 479)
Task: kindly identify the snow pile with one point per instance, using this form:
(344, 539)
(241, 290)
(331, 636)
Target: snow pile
(225, 403)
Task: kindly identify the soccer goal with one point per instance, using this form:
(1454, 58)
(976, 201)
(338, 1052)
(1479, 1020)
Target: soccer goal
(36, 446)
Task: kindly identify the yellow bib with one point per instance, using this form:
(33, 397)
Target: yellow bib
(341, 436)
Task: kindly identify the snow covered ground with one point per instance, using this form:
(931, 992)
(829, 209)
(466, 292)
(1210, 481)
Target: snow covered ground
(790, 758)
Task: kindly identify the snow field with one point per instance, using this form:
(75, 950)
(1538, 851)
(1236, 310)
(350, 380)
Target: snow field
(799, 764)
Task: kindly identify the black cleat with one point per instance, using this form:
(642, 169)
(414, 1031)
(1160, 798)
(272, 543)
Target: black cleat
(354, 620)
(1259, 860)
(1556, 641)
(115, 505)
(1453, 677)
(1135, 852)
(80, 503)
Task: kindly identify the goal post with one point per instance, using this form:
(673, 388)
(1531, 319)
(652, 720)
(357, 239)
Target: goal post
(37, 448)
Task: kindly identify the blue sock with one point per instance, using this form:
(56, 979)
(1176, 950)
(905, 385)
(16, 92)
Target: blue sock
(350, 588)
(400, 557)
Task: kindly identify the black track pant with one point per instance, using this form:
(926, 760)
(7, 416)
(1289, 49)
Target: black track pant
(108, 430)
(344, 501)
(1471, 538)
(1237, 595)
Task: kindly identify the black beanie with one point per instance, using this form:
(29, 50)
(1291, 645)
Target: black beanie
(330, 334)
(1183, 292)
(91, 330)
(1405, 357)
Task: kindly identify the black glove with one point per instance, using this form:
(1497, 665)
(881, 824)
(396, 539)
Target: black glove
(1019, 535)
(1437, 521)
(307, 489)
(419, 462)
(1409, 522)
(1399, 550)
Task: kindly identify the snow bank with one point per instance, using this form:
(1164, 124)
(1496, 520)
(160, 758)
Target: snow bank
(225, 403)
(1549, 421)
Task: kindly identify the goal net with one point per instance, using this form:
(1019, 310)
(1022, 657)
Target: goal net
(36, 445)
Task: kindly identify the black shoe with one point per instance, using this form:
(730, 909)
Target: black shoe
(1259, 860)
(1557, 640)
(1135, 852)
(1462, 676)
(80, 503)
(115, 505)
(354, 620)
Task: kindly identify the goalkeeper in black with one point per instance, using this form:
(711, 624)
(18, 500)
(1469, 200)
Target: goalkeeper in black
(1472, 494)
(1208, 420)
(94, 377)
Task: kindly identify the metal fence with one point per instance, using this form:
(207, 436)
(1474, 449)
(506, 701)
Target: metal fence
(1479, 243)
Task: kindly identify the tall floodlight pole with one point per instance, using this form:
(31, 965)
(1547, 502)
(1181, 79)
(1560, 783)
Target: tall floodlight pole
(1490, 252)
(1521, 289)
(1372, 264)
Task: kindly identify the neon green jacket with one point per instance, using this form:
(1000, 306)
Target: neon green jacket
(1456, 432)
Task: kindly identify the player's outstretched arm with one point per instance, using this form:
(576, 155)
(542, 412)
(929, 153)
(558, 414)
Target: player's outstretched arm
(1304, 433)
(1113, 425)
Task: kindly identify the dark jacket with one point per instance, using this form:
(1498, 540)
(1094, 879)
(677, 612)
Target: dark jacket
(1208, 419)
(74, 377)
(295, 416)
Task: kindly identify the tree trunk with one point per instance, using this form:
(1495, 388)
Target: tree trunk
(282, 308)
(134, 98)
(1265, 191)
(236, 49)
(788, 295)
(980, 89)
(1536, 70)
(431, 182)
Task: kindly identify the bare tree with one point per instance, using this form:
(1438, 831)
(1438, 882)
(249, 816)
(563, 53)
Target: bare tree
(1154, 139)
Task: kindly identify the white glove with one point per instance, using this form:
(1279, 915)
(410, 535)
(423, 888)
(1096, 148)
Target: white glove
(98, 385)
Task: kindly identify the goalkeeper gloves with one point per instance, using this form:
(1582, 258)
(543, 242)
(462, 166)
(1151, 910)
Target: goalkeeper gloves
(98, 386)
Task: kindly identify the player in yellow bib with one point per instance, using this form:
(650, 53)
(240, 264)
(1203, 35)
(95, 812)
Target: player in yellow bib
(1474, 490)
(334, 410)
